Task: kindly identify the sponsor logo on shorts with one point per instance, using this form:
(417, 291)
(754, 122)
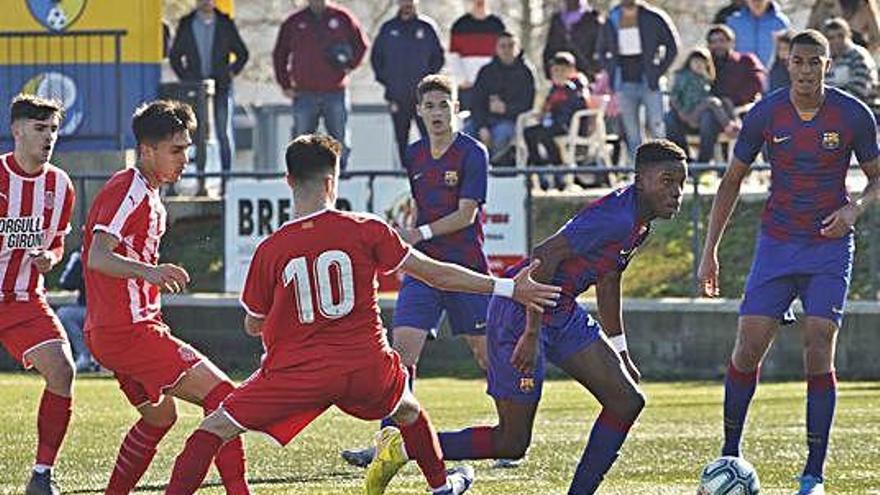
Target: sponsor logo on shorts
(836, 310)
(526, 384)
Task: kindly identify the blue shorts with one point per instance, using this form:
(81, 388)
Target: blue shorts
(506, 324)
(421, 306)
(818, 273)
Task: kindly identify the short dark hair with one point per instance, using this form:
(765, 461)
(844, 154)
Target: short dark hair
(563, 58)
(507, 34)
(658, 151)
(435, 82)
(160, 119)
(811, 37)
(837, 24)
(720, 28)
(27, 106)
(312, 156)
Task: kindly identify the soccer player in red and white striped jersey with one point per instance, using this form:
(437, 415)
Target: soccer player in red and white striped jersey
(36, 201)
(124, 328)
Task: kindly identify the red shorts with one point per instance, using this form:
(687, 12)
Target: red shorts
(281, 403)
(25, 326)
(145, 358)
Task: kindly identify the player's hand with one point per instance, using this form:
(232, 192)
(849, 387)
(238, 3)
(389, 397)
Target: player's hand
(531, 294)
(393, 107)
(707, 276)
(839, 223)
(290, 93)
(168, 277)
(410, 236)
(43, 260)
(630, 366)
(525, 354)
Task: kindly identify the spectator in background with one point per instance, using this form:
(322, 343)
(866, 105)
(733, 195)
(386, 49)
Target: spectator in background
(739, 77)
(207, 46)
(406, 50)
(504, 89)
(728, 10)
(471, 46)
(755, 26)
(575, 28)
(568, 94)
(639, 42)
(317, 47)
(852, 67)
(73, 316)
(863, 17)
(779, 70)
(694, 110)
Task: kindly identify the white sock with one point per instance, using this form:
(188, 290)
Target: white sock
(447, 486)
(41, 468)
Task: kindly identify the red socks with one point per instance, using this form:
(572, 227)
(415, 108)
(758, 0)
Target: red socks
(52, 420)
(135, 454)
(422, 445)
(230, 458)
(192, 464)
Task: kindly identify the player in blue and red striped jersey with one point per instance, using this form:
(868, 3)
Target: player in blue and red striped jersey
(448, 175)
(805, 248)
(593, 248)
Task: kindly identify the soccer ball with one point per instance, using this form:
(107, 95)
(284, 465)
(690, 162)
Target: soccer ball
(56, 19)
(729, 476)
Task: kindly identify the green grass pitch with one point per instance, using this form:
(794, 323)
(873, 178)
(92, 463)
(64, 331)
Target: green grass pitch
(678, 432)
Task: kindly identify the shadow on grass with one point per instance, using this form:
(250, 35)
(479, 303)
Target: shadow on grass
(338, 475)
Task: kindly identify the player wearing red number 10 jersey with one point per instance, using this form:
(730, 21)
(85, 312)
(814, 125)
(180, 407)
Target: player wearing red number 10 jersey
(311, 294)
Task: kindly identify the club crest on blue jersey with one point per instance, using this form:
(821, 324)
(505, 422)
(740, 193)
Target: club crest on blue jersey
(451, 178)
(830, 140)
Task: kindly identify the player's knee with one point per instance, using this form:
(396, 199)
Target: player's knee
(513, 445)
(58, 373)
(629, 405)
(219, 424)
(163, 416)
(407, 412)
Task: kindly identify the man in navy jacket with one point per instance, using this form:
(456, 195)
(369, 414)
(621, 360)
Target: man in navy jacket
(406, 50)
(505, 88)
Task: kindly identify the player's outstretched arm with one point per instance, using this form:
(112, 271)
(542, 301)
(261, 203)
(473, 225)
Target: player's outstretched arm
(102, 258)
(447, 276)
(722, 208)
(841, 221)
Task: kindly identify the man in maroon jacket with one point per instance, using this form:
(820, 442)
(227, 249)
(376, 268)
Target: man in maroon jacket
(317, 47)
(740, 78)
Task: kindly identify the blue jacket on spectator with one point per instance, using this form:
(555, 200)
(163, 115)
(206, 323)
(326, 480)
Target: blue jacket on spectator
(756, 34)
(659, 44)
(514, 84)
(403, 53)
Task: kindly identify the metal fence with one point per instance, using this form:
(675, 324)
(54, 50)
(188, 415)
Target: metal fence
(869, 224)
